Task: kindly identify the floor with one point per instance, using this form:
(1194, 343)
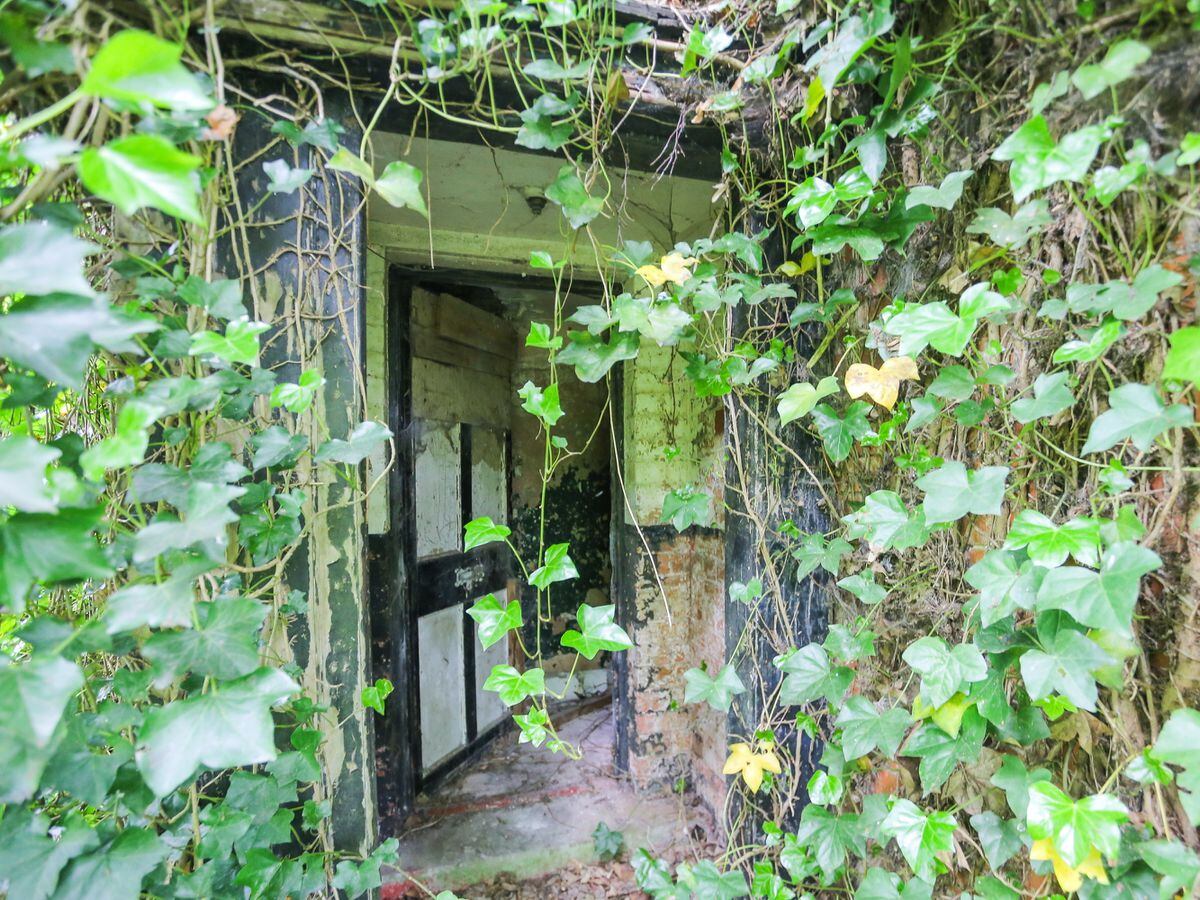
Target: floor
(520, 816)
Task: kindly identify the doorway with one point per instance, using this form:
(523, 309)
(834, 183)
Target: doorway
(453, 358)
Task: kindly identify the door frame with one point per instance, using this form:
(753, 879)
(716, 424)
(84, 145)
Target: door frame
(393, 566)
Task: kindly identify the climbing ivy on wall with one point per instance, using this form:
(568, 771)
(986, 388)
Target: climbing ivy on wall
(1006, 416)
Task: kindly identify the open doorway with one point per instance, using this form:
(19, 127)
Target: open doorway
(450, 356)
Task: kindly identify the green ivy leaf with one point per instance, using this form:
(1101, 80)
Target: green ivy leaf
(1001, 839)
(546, 69)
(944, 670)
(829, 838)
(541, 403)
(141, 171)
(808, 676)
(31, 860)
(880, 884)
(952, 492)
(1179, 744)
(359, 444)
(23, 463)
(39, 258)
(298, 397)
(1183, 359)
(483, 531)
(1011, 232)
(1092, 343)
(1075, 827)
(814, 551)
(1038, 161)
(593, 357)
(1050, 397)
(570, 194)
(126, 446)
(1178, 864)
(226, 728)
(115, 870)
(886, 523)
(239, 343)
(799, 399)
(205, 517)
(954, 383)
(811, 201)
(597, 631)
(345, 161)
(717, 691)
(1118, 64)
(685, 507)
(495, 621)
(224, 644)
(1102, 599)
(920, 835)
(1065, 665)
(275, 447)
(944, 196)
(556, 566)
(514, 686)
(400, 185)
(33, 697)
(538, 129)
(1049, 544)
(1135, 412)
(165, 604)
(864, 728)
(863, 587)
(839, 433)
(1014, 779)
(940, 752)
(1003, 585)
(48, 548)
(376, 695)
(285, 179)
(136, 67)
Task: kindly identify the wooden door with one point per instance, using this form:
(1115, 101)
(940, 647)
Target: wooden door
(461, 371)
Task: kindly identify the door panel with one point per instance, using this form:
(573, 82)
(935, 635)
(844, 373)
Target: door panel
(438, 487)
(443, 699)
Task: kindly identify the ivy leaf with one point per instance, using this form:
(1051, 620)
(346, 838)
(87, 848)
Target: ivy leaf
(570, 194)
(23, 463)
(239, 343)
(1177, 863)
(137, 67)
(886, 524)
(1014, 779)
(39, 258)
(1003, 585)
(1091, 345)
(863, 587)
(359, 444)
(205, 517)
(126, 446)
(514, 686)
(143, 170)
(1118, 64)
(940, 752)
(222, 729)
(33, 697)
(954, 383)
(702, 45)
(221, 299)
(1065, 666)
(880, 884)
(556, 566)
(494, 620)
(1135, 412)
(400, 185)
(1103, 599)
(547, 69)
(275, 447)
(944, 196)
(345, 161)
(298, 397)
(952, 491)
(285, 179)
(920, 835)
(1038, 161)
(224, 644)
(840, 432)
(1048, 544)
(1183, 359)
(538, 131)
(1050, 397)
(684, 507)
(829, 838)
(812, 201)
(1001, 839)
(597, 631)
(1179, 744)
(115, 870)
(483, 531)
(1075, 827)
(944, 670)
(31, 860)
(808, 676)
(593, 357)
(541, 403)
(375, 696)
(864, 728)
(1011, 232)
(717, 691)
(48, 548)
(165, 604)
(814, 551)
(921, 325)
(799, 399)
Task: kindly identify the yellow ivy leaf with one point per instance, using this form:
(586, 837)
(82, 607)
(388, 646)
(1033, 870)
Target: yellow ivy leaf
(654, 276)
(883, 384)
(750, 764)
(1070, 878)
(948, 716)
(807, 263)
(813, 97)
(677, 267)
